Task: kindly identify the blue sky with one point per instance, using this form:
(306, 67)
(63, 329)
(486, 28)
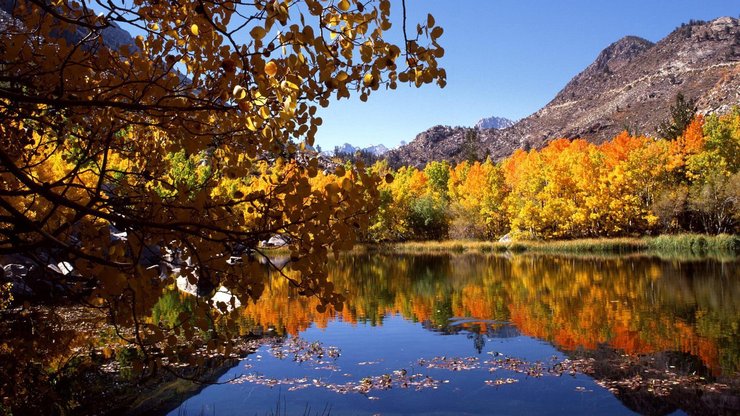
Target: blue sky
(504, 58)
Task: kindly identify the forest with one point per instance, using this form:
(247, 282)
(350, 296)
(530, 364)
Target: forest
(137, 166)
(629, 186)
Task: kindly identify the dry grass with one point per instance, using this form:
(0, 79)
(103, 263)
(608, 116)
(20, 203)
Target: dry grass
(682, 243)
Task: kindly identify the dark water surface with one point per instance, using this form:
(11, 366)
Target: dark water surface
(477, 335)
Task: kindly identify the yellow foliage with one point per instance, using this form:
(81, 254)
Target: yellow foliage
(189, 142)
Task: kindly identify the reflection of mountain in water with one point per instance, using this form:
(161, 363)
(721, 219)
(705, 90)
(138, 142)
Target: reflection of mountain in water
(478, 330)
(491, 329)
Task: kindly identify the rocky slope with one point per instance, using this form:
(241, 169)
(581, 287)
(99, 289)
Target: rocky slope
(631, 85)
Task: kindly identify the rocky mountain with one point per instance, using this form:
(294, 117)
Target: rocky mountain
(437, 143)
(494, 123)
(630, 86)
(113, 36)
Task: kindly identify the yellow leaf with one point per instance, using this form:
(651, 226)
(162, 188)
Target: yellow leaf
(264, 112)
(367, 80)
(271, 68)
(260, 99)
(343, 5)
(258, 32)
(239, 92)
(194, 29)
(288, 85)
(250, 124)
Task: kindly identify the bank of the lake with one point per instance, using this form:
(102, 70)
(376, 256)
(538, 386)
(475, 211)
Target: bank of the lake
(684, 244)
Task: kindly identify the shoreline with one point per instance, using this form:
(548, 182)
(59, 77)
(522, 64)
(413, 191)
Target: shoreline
(688, 244)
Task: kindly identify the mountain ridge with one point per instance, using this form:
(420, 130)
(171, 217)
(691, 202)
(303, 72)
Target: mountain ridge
(629, 86)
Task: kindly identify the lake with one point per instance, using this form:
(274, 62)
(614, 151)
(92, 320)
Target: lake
(491, 334)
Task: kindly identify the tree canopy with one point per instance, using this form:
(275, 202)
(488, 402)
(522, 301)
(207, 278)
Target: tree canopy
(188, 144)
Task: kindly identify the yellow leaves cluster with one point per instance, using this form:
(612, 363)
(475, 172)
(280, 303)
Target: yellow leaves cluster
(572, 188)
(576, 189)
(190, 141)
(6, 295)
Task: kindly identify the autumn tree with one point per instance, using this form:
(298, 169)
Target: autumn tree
(187, 143)
(477, 193)
(714, 173)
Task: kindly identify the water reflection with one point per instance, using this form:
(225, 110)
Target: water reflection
(637, 305)
(658, 334)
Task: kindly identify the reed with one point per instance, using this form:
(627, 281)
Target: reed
(696, 243)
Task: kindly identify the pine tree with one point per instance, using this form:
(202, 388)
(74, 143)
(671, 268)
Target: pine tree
(682, 112)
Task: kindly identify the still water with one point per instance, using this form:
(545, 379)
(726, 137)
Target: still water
(486, 334)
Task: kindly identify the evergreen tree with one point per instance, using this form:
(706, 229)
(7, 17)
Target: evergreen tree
(682, 112)
(471, 145)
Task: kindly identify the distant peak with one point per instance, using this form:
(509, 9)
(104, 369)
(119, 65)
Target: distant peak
(494, 123)
(348, 149)
(620, 51)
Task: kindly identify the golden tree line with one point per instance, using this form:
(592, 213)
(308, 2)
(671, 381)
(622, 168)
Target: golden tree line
(628, 186)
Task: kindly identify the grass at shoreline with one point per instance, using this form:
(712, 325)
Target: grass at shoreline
(726, 245)
(668, 244)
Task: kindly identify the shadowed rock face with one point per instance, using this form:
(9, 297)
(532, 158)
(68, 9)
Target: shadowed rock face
(113, 36)
(630, 86)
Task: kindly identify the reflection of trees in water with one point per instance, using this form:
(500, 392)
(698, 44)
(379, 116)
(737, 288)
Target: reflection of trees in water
(636, 304)
(683, 313)
(672, 313)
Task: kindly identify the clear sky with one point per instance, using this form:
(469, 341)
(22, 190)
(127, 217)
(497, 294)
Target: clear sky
(506, 58)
